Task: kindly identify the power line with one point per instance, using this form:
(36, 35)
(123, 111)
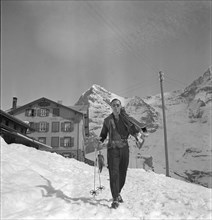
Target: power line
(123, 40)
(176, 81)
(172, 83)
(127, 43)
(140, 84)
(96, 13)
(133, 88)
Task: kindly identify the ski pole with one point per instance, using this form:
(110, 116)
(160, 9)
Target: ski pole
(94, 192)
(100, 188)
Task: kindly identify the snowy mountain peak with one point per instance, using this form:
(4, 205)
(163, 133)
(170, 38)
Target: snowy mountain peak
(136, 101)
(98, 88)
(200, 88)
(95, 93)
(98, 94)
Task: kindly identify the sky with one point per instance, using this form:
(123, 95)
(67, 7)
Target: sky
(43, 185)
(59, 49)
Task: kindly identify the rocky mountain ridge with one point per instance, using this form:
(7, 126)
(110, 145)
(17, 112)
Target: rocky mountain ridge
(200, 88)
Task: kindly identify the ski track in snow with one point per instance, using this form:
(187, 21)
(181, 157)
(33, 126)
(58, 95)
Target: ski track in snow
(42, 185)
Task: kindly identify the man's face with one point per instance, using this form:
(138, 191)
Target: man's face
(116, 107)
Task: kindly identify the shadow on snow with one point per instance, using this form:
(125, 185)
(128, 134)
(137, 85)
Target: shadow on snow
(50, 191)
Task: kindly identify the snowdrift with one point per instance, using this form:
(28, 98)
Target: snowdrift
(42, 185)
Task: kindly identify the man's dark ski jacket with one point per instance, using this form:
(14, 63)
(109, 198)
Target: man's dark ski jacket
(132, 125)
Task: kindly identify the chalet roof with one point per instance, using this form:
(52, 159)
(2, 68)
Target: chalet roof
(12, 111)
(80, 108)
(22, 136)
(18, 121)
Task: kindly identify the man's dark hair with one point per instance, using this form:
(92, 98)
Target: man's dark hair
(115, 100)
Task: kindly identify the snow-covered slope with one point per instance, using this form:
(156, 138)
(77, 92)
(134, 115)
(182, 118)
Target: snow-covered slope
(43, 185)
(188, 117)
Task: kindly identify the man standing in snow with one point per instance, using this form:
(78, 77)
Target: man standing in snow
(119, 127)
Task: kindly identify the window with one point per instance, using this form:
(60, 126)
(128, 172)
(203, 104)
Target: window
(67, 142)
(30, 112)
(44, 126)
(55, 142)
(32, 125)
(67, 126)
(38, 127)
(42, 140)
(22, 131)
(43, 112)
(56, 112)
(55, 126)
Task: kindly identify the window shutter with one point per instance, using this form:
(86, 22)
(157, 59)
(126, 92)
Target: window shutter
(47, 112)
(26, 112)
(62, 126)
(55, 141)
(62, 142)
(38, 112)
(37, 126)
(34, 112)
(55, 126)
(47, 126)
(56, 112)
(72, 142)
(72, 127)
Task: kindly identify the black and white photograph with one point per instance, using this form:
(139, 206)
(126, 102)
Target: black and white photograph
(106, 109)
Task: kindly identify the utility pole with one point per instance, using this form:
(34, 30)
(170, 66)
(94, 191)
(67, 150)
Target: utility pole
(164, 123)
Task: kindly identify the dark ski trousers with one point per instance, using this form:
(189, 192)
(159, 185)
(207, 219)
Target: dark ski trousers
(118, 160)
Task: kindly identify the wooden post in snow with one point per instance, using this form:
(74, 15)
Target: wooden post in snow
(164, 123)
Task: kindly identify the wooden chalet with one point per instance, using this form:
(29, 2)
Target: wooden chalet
(61, 127)
(13, 130)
